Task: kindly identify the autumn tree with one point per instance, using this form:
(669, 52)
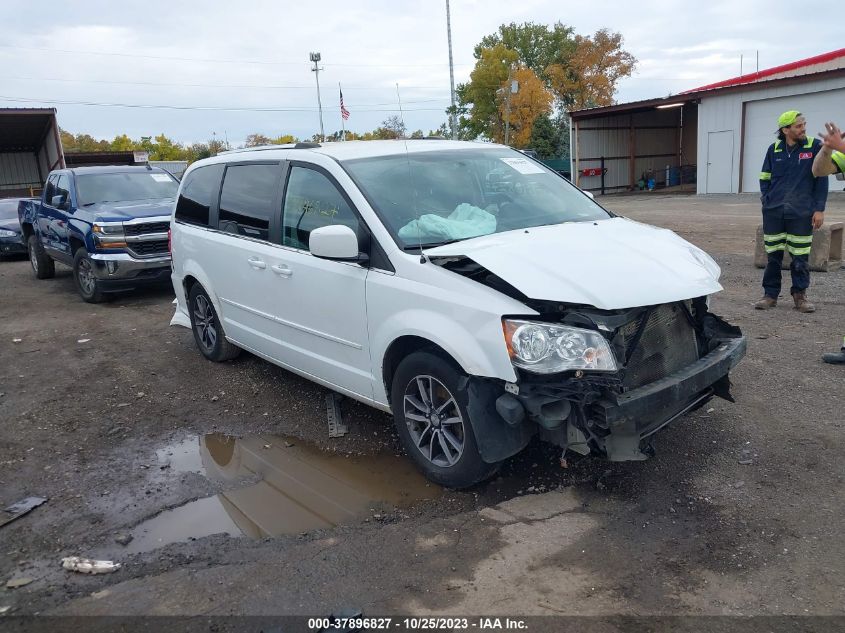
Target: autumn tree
(589, 78)
(530, 101)
(256, 140)
(579, 71)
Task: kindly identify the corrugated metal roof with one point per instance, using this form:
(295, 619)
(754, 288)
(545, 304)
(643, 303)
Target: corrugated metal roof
(777, 70)
(24, 129)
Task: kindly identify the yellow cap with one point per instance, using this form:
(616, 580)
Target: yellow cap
(788, 118)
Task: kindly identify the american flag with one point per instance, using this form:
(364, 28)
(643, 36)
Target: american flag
(343, 111)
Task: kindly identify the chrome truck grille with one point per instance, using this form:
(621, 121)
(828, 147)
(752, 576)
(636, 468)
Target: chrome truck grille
(147, 239)
(667, 344)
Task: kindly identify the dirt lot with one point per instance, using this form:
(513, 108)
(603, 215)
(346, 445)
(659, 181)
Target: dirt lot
(740, 512)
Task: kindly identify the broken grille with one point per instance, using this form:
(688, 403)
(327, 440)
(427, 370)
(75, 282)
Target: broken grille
(667, 344)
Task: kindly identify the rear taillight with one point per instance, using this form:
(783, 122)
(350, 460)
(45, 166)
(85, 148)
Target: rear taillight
(169, 241)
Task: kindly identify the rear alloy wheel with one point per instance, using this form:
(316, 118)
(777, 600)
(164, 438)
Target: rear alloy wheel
(86, 280)
(208, 330)
(42, 264)
(430, 415)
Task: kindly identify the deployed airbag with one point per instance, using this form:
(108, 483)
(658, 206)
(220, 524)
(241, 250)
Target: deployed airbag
(464, 222)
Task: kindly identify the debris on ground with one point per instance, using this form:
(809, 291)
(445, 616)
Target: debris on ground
(84, 340)
(22, 507)
(336, 426)
(88, 566)
(123, 539)
(3, 610)
(14, 583)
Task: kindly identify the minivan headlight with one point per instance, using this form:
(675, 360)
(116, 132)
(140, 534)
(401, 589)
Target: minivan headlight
(545, 348)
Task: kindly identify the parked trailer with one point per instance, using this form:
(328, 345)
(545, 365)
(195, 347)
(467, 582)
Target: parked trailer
(30, 148)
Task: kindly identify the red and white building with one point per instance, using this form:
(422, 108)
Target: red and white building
(715, 135)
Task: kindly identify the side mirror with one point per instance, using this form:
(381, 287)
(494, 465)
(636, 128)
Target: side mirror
(58, 201)
(337, 242)
(589, 194)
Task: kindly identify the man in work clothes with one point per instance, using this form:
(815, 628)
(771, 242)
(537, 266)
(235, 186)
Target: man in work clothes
(829, 160)
(793, 205)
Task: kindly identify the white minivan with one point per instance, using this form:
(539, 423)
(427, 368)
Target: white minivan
(465, 288)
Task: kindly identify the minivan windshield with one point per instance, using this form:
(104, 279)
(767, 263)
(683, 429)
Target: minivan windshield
(127, 185)
(435, 197)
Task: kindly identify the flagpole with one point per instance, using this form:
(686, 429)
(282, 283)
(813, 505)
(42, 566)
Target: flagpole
(342, 120)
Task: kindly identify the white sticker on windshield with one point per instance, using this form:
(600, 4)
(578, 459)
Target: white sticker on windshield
(523, 165)
(161, 177)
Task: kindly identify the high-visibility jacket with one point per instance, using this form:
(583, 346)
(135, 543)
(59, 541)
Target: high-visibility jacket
(838, 159)
(787, 180)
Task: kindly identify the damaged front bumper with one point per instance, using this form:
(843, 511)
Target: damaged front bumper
(605, 414)
(631, 417)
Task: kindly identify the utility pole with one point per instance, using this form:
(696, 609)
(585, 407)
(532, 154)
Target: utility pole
(315, 57)
(401, 114)
(453, 119)
(512, 87)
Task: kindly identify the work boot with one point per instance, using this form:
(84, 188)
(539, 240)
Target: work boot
(801, 303)
(766, 303)
(835, 358)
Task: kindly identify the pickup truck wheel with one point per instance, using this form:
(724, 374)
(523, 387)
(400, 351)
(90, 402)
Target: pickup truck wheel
(42, 264)
(430, 414)
(86, 280)
(208, 330)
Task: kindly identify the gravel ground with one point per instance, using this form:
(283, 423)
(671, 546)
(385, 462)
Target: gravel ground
(740, 512)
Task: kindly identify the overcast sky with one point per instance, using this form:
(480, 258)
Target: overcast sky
(236, 58)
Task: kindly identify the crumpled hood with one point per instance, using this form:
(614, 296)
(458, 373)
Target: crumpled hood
(122, 211)
(610, 264)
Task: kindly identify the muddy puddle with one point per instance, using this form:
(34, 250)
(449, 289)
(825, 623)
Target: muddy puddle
(277, 485)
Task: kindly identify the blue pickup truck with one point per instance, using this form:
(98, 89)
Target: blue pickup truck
(110, 224)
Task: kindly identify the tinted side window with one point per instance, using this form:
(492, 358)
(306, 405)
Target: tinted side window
(50, 188)
(198, 194)
(312, 201)
(246, 202)
(63, 189)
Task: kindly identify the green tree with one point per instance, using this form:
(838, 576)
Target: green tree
(537, 46)
(545, 137)
(479, 94)
(165, 149)
(122, 143)
(417, 134)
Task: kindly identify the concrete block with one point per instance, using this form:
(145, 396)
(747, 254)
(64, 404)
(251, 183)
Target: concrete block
(826, 253)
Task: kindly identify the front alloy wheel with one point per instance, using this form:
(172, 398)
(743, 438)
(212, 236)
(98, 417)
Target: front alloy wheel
(204, 323)
(430, 414)
(434, 421)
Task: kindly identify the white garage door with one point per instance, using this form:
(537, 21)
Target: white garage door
(761, 123)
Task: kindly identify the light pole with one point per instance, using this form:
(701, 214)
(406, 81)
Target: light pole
(315, 58)
(452, 115)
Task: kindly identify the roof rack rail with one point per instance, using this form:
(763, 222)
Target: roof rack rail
(306, 145)
(434, 138)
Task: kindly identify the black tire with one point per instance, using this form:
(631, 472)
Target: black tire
(207, 328)
(42, 264)
(445, 452)
(84, 278)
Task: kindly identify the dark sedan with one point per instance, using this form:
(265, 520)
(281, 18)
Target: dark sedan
(11, 236)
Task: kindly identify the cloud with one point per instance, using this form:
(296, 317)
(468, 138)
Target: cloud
(219, 54)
